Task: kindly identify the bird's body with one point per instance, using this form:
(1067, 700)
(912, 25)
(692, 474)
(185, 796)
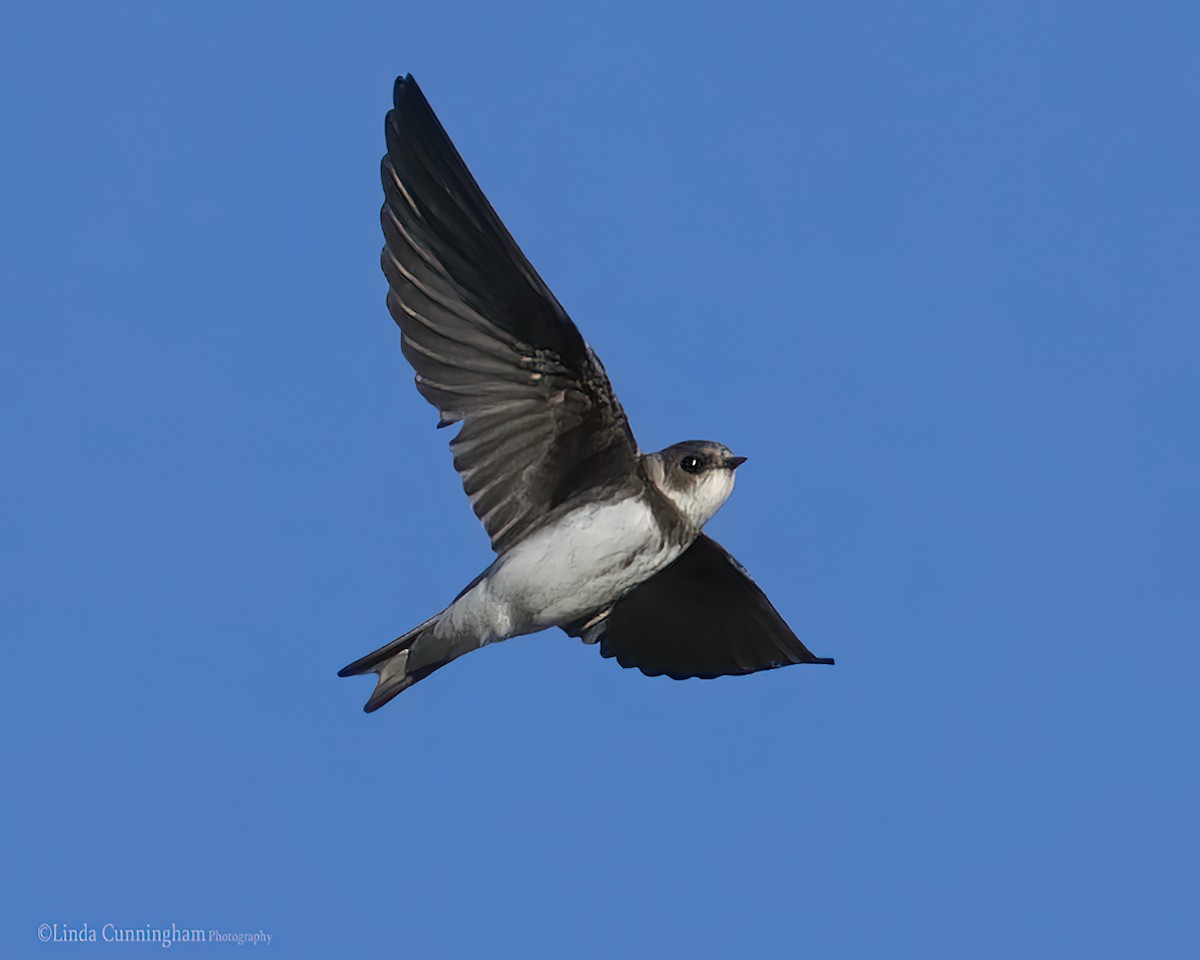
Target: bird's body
(591, 535)
(580, 562)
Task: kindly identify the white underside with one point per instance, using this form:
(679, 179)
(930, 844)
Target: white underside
(562, 572)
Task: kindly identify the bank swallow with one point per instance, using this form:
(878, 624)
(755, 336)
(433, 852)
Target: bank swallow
(591, 535)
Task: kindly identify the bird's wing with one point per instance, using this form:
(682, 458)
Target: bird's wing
(700, 617)
(490, 344)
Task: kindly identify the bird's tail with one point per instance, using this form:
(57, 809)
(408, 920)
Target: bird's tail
(390, 663)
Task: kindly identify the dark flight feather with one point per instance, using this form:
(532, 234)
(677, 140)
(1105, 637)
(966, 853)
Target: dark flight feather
(490, 344)
(700, 617)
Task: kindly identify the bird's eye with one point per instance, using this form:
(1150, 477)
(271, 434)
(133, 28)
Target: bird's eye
(692, 464)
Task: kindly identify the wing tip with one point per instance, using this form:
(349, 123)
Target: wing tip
(403, 82)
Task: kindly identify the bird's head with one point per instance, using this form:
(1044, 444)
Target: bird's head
(696, 476)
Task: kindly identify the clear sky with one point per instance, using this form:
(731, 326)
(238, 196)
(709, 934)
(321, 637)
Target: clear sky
(932, 267)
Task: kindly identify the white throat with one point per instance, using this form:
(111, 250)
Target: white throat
(697, 501)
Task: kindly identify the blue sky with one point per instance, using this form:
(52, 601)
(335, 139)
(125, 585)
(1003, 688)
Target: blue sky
(931, 266)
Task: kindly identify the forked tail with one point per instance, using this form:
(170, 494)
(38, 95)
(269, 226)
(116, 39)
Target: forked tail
(390, 662)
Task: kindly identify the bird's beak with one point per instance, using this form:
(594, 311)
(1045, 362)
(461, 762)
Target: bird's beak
(734, 462)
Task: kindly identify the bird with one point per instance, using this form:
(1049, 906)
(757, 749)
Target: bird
(590, 534)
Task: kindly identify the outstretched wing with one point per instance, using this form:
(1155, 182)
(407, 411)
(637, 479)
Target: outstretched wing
(700, 617)
(490, 344)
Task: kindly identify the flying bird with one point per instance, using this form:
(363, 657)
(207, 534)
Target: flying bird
(591, 535)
